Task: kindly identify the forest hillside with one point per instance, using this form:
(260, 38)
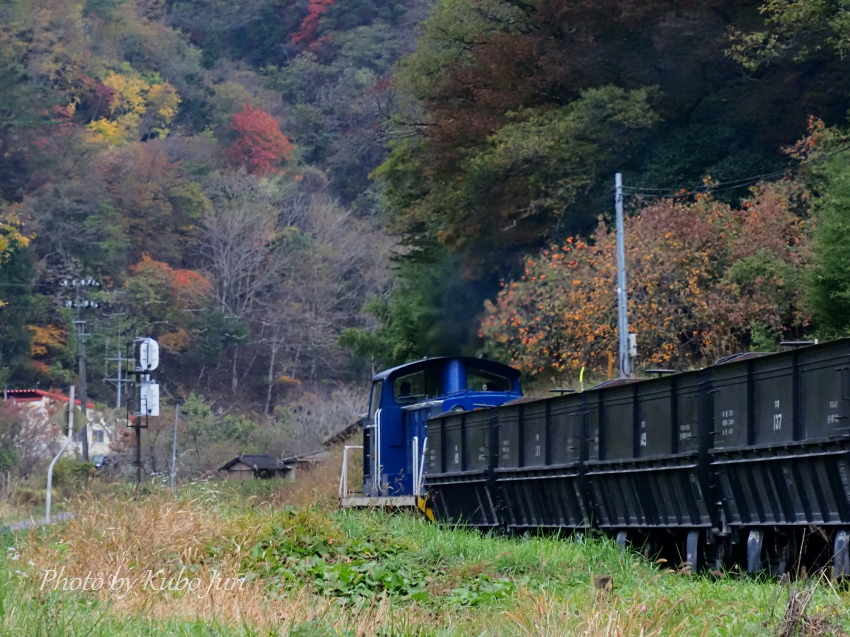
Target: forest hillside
(728, 122)
(205, 166)
(289, 194)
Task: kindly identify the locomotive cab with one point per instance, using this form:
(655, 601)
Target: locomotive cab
(395, 435)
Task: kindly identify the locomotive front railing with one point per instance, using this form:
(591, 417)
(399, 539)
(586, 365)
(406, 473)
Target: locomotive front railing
(343, 478)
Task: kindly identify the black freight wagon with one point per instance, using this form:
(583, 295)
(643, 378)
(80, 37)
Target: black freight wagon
(460, 468)
(779, 453)
(538, 472)
(737, 462)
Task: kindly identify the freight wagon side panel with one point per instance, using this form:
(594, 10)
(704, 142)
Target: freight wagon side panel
(546, 489)
(662, 482)
(792, 469)
(457, 480)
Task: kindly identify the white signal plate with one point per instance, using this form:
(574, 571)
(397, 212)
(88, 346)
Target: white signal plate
(148, 358)
(149, 399)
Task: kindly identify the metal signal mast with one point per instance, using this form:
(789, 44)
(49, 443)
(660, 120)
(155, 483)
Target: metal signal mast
(147, 360)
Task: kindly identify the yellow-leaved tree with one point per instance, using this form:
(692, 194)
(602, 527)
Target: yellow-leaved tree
(140, 107)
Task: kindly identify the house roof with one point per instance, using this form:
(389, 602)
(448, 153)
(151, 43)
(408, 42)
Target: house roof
(258, 463)
(34, 395)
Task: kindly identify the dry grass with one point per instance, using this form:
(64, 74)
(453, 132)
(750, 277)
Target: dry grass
(319, 486)
(112, 536)
(599, 615)
(163, 535)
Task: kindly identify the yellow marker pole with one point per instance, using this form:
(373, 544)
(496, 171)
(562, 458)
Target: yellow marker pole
(581, 378)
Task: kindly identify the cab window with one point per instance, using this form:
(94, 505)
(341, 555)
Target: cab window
(375, 398)
(480, 380)
(415, 387)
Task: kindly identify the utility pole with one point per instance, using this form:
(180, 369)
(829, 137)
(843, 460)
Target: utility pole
(81, 374)
(138, 427)
(622, 295)
(120, 379)
(174, 446)
(79, 303)
(61, 451)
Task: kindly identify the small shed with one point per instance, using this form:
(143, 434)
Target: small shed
(248, 467)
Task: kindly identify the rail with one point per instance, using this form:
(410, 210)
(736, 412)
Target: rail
(421, 476)
(343, 478)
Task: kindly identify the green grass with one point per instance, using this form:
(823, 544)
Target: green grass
(562, 569)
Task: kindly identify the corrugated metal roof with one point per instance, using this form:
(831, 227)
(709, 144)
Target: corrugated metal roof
(38, 394)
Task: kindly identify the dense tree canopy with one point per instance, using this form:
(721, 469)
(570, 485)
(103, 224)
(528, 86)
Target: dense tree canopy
(489, 73)
(704, 278)
(519, 112)
(828, 288)
(243, 177)
(259, 145)
(153, 146)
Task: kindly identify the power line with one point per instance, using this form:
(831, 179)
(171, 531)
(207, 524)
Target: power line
(737, 183)
(674, 193)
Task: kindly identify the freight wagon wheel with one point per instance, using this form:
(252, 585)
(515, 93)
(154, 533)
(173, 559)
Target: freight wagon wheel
(841, 553)
(640, 543)
(621, 539)
(646, 545)
(702, 552)
(781, 554)
(769, 552)
(695, 546)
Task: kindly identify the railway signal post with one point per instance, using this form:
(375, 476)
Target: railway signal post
(147, 360)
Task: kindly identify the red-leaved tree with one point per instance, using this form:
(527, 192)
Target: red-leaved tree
(164, 296)
(310, 24)
(259, 145)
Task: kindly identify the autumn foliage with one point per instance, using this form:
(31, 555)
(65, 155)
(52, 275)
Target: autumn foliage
(167, 296)
(186, 287)
(46, 340)
(703, 277)
(259, 145)
(310, 24)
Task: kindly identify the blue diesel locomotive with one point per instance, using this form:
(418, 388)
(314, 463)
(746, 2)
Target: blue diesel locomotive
(395, 436)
